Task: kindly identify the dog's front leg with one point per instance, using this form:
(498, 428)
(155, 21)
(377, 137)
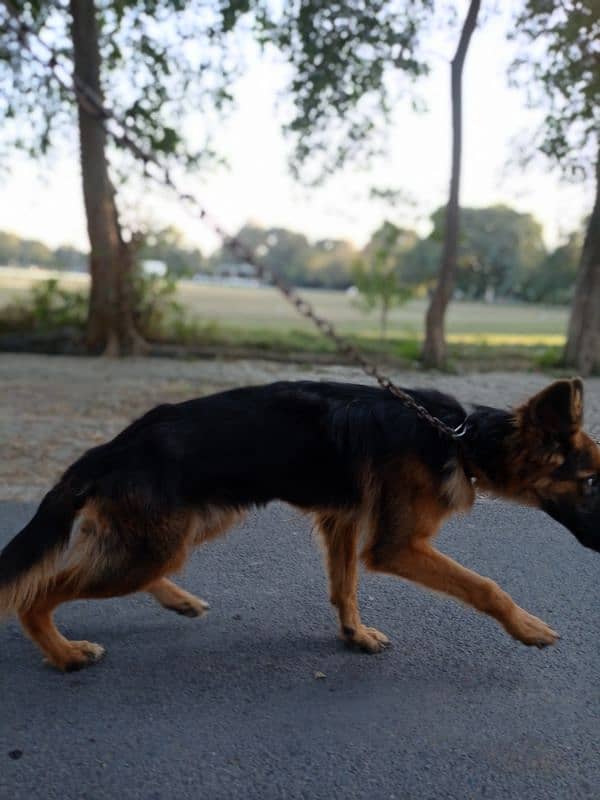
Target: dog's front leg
(340, 536)
(176, 599)
(423, 564)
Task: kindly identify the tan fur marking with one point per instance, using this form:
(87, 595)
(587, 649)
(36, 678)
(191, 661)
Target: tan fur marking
(22, 593)
(173, 597)
(408, 553)
(214, 521)
(41, 578)
(533, 465)
(577, 401)
(458, 490)
(60, 652)
(425, 565)
(85, 556)
(340, 533)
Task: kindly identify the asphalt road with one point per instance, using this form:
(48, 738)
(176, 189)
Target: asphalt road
(228, 706)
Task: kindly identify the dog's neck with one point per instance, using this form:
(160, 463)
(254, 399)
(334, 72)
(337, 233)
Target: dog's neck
(486, 446)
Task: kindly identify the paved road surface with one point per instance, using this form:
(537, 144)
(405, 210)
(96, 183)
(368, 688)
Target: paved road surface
(229, 707)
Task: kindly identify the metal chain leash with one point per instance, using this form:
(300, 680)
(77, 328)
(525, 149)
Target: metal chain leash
(121, 132)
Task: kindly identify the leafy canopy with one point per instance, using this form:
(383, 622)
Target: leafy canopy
(160, 59)
(345, 56)
(553, 281)
(559, 65)
(163, 58)
(498, 249)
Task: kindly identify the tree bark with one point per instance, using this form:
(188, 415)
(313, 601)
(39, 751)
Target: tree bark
(383, 318)
(434, 346)
(110, 325)
(582, 350)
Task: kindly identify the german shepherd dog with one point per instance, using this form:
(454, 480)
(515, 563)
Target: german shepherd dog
(377, 479)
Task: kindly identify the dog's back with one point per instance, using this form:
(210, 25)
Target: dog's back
(306, 443)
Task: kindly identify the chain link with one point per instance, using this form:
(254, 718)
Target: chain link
(123, 132)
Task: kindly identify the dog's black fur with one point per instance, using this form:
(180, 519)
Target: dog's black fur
(304, 443)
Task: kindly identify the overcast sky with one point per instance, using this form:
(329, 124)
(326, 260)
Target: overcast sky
(45, 202)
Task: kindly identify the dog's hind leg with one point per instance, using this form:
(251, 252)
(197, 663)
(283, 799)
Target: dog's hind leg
(60, 652)
(205, 525)
(112, 552)
(340, 536)
(175, 599)
(67, 655)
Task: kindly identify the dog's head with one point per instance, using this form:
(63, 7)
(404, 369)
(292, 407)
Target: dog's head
(554, 464)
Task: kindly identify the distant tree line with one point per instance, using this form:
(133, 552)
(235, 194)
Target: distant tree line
(18, 252)
(165, 245)
(501, 256)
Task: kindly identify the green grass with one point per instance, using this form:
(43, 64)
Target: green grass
(404, 350)
(480, 335)
(252, 308)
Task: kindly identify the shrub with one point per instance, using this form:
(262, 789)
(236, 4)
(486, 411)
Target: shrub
(156, 309)
(48, 306)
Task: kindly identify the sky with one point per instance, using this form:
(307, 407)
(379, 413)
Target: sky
(43, 201)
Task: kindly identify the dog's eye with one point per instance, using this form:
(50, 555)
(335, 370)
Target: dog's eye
(591, 485)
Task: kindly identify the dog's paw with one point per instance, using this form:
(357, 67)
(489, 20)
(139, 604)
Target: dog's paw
(370, 640)
(77, 656)
(530, 630)
(190, 607)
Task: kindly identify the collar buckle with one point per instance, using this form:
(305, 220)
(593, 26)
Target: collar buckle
(461, 429)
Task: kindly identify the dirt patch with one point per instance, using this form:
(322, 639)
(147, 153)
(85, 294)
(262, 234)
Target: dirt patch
(53, 408)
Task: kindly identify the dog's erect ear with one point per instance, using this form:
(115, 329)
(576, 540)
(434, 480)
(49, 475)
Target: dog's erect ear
(558, 408)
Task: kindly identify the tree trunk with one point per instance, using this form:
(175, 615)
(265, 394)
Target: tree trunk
(583, 341)
(383, 318)
(434, 346)
(110, 325)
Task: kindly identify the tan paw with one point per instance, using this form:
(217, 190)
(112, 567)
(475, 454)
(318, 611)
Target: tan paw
(77, 656)
(530, 630)
(190, 606)
(368, 639)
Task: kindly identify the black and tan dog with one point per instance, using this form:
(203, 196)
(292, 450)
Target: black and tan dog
(378, 480)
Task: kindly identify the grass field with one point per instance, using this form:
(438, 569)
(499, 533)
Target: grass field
(466, 321)
(262, 318)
